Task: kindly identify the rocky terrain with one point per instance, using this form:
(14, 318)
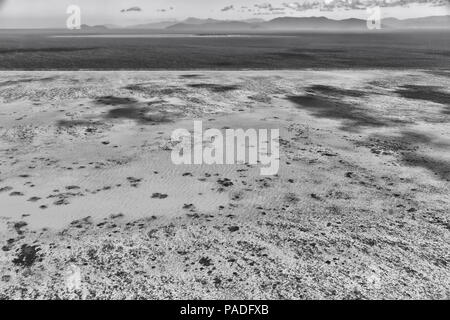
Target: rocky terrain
(359, 208)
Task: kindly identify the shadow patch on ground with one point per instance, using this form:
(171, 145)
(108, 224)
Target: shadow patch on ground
(214, 87)
(26, 80)
(335, 91)
(132, 109)
(406, 147)
(129, 108)
(421, 138)
(190, 76)
(440, 168)
(76, 123)
(142, 115)
(135, 86)
(353, 116)
(115, 101)
(426, 93)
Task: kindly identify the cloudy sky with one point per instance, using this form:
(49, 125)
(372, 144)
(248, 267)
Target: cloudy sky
(52, 13)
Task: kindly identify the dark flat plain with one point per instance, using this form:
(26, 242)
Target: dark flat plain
(39, 50)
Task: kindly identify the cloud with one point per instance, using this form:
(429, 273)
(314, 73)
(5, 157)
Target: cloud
(132, 9)
(228, 8)
(165, 10)
(263, 6)
(267, 9)
(330, 5)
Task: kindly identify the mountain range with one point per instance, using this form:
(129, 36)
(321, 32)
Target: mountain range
(284, 24)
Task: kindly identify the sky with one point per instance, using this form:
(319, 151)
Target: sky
(52, 13)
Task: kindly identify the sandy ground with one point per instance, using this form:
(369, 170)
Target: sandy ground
(359, 208)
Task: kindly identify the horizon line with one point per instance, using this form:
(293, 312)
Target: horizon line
(218, 20)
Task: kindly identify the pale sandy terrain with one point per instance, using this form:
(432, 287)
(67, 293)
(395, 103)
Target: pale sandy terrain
(359, 208)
